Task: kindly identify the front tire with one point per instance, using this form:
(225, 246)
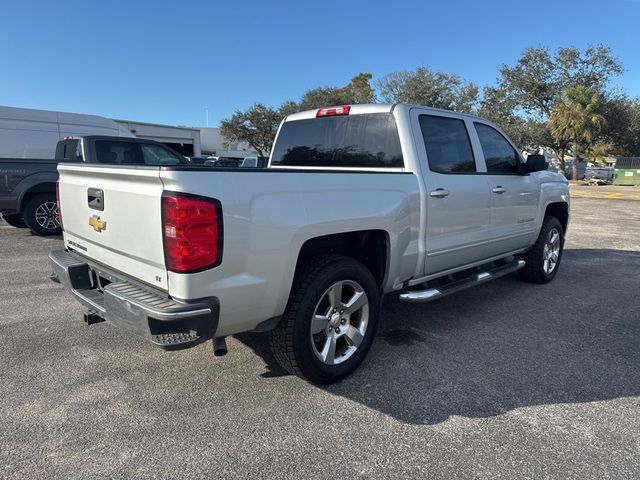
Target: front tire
(41, 215)
(543, 260)
(330, 321)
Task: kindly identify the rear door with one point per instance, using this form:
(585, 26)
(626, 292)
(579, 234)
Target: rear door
(458, 204)
(514, 196)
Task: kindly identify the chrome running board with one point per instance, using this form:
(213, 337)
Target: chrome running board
(476, 278)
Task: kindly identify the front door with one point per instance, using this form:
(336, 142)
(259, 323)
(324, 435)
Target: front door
(514, 196)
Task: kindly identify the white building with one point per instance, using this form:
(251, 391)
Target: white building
(213, 144)
(47, 127)
(29, 133)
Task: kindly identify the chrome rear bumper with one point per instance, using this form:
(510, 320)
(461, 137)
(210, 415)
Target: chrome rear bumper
(133, 307)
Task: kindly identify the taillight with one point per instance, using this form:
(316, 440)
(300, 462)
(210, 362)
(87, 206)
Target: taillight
(58, 205)
(192, 232)
(333, 111)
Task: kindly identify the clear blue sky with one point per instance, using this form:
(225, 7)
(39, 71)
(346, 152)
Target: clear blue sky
(164, 61)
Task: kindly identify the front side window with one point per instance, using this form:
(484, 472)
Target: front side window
(369, 140)
(448, 145)
(499, 155)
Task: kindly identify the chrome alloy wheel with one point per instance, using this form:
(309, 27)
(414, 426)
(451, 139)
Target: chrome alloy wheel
(551, 252)
(340, 322)
(47, 215)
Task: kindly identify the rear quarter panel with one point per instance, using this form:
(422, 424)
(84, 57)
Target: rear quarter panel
(269, 215)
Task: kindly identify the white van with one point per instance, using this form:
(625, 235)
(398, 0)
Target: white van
(28, 169)
(33, 134)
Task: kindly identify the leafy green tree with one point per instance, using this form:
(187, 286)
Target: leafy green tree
(425, 87)
(536, 82)
(622, 131)
(258, 125)
(527, 133)
(577, 118)
(358, 90)
(527, 93)
(597, 153)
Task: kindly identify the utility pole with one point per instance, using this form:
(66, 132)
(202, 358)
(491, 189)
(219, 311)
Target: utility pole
(206, 111)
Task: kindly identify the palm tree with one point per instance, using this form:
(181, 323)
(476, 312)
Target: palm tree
(576, 119)
(597, 153)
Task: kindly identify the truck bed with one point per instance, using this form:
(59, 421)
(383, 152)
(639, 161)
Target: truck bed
(268, 214)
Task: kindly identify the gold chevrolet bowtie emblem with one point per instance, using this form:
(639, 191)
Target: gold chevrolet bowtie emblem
(97, 224)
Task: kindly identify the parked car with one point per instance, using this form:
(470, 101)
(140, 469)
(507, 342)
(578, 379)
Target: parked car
(357, 202)
(106, 150)
(28, 164)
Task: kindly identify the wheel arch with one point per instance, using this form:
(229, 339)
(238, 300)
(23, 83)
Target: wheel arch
(45, 187)
(371, 247)
(43, 182)
(559, 210)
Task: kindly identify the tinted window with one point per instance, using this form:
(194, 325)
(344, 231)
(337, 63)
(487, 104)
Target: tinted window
(249, 162)
(68, 151)
(448, 145)
(369, 140)
(499, 155)
(134, 153)
(158, 155)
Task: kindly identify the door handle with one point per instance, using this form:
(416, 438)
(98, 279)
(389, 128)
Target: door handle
(499, 189)
(439, 193)
(95, 198)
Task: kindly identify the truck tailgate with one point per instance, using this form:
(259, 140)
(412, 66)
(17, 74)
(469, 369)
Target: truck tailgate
(112, 215)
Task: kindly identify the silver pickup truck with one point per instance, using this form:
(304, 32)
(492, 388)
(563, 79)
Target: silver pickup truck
(357, 202)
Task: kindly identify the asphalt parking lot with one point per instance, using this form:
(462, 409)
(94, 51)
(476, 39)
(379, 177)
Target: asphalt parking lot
(507, 380)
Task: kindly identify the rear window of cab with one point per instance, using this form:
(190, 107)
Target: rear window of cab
(365, 141)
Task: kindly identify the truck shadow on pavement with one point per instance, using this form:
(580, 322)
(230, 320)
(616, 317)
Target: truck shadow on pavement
(504, 345)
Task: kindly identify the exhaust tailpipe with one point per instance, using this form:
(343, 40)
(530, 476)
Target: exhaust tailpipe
(220, 347)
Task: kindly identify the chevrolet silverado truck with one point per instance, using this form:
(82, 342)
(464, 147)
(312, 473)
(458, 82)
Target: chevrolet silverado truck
(358, 201)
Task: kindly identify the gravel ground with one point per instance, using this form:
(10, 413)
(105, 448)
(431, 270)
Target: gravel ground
(507, 380)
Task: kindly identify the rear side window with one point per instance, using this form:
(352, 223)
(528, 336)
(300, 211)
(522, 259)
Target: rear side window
(448, 145)
(369, 140)
(499, 155)
(69, 150)
(134, 153)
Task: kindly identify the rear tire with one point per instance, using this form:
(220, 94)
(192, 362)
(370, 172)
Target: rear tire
(15, 221)
(41, 215)
(330, 321)
(543, 260)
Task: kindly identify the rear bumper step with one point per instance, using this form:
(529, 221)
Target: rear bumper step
(142, 311)
(476, 278)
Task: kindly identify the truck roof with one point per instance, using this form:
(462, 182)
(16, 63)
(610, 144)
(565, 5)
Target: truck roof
(363, 108)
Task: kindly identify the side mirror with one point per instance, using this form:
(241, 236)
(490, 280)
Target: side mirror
(536, 163)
